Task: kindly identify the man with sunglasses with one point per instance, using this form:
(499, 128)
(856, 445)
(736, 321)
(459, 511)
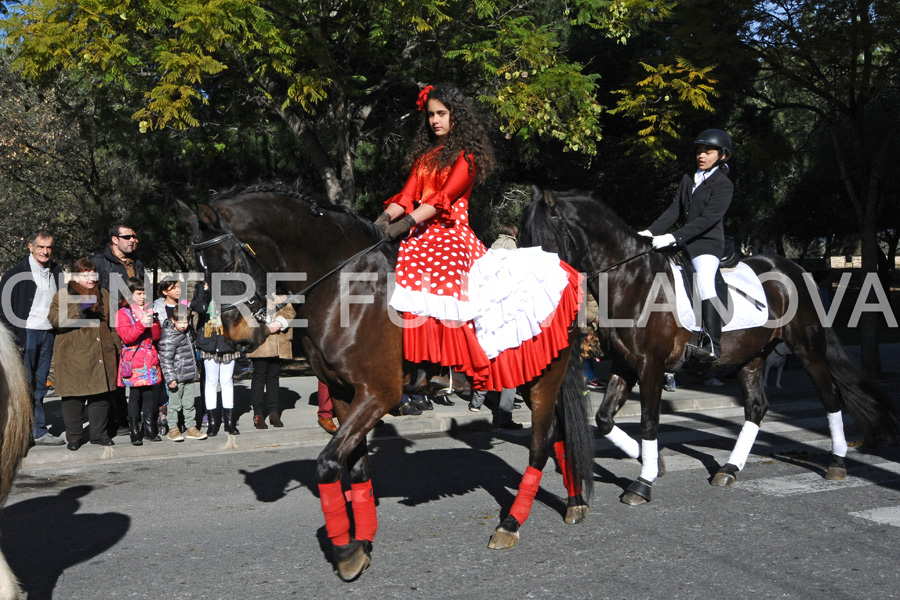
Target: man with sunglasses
(117, 257)
(25, 295)
(117, 262)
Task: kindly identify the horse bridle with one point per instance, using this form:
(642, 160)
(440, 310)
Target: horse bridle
(244, 249)
(561, 224)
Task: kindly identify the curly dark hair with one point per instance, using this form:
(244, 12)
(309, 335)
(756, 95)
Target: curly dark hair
(466, 134)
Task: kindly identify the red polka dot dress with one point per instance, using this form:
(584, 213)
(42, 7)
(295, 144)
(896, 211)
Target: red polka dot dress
(490, 314)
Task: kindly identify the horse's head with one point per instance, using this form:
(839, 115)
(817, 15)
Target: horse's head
(576, 225)
(235, 279)
(551, 221)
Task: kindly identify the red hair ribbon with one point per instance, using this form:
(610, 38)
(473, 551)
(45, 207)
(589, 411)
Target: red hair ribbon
(423, 97)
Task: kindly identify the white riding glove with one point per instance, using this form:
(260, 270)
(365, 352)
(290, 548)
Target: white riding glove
(663, 241)
(645, 233)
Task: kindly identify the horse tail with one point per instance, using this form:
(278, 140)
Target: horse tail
(572, 414)
(876, 416)
(16, 414)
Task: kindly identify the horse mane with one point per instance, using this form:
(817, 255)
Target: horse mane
(537, 221)
(598, 207)
(312, 201)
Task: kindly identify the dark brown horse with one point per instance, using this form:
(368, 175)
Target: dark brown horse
(353, 342)
(591, 238)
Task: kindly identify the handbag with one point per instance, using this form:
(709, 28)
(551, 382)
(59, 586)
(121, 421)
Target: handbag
(125, 368)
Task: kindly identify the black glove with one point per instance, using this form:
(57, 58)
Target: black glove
(383, 220)
(397, 230)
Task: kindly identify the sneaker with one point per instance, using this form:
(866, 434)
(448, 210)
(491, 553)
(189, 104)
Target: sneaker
(194, 434)
(596, 385)
(175, 435)
(713, 382)
(48, 439)
(474, 408)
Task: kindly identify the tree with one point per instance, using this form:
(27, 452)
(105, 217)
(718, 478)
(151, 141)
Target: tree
(324, 68)
(839, 61)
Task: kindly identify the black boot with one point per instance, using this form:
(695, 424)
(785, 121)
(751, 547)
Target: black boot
(504, 420)
(134, 430)
(213, 421)
(151, 427)
(229, 419)
(710, 350)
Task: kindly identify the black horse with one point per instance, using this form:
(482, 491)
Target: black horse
(353, 342)
(591, 238)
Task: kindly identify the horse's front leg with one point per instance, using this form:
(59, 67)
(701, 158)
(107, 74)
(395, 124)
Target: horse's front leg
(651, 377)
(756, 405)
(617, 391)
(542, 404)
(352, 556)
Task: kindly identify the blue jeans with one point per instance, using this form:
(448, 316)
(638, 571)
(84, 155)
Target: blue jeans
(38, 352)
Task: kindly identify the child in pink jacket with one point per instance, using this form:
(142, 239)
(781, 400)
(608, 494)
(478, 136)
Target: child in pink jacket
(138, 326)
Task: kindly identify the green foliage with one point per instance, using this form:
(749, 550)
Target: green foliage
(658, 103)
(299, 56)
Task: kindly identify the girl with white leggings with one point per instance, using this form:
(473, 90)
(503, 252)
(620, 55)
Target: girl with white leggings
(218, 363)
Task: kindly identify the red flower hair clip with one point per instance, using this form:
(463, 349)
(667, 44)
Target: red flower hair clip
(423, 97)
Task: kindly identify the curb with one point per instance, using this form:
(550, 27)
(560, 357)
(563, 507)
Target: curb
(443, 420)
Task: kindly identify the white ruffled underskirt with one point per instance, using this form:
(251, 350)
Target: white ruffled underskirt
(511, 292)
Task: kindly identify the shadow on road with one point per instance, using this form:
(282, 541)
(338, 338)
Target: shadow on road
(42, 537)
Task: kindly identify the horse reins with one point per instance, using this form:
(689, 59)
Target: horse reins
(618, 264)
(589, 276)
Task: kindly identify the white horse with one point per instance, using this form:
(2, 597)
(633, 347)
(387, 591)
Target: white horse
(15, 428)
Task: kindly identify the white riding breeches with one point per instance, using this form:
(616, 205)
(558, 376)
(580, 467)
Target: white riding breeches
(706, 266)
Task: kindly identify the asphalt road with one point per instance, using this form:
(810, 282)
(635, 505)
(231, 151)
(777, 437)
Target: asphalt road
(246, 525)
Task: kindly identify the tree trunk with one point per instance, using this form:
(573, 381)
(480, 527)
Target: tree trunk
(869, 322)
(333, 182)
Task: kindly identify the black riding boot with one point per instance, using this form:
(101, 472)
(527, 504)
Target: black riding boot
(134, 430)
(213, 421)
(151, 427)
(229, 419)
(710, 350)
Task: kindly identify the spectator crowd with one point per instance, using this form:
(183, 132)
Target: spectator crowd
(133, 363)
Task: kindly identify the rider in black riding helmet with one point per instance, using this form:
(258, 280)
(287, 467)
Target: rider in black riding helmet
(701, 202)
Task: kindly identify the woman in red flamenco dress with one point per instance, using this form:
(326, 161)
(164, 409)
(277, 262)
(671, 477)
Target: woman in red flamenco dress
(500, 316)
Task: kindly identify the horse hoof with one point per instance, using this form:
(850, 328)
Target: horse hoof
(576, 514)
(836, 473)
(721, 479)
(352, 560)
(637, 493)
(503, 539)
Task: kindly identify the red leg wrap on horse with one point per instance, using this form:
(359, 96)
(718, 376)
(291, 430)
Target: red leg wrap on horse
(573, 488)
(521, 508)
(364, 514)
(334, 506)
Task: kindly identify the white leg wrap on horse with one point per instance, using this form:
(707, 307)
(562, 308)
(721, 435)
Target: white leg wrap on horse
(650, 460)
(838, 441)
(744, 443)
(624, 442)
